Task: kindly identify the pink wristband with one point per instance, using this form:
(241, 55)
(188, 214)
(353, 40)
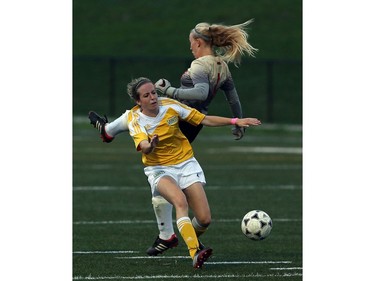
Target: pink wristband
(233, 121)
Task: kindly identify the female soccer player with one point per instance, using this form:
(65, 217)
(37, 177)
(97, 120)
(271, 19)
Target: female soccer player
(170, 166)
(213, 47)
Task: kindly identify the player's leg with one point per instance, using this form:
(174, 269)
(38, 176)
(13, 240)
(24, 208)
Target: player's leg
(163, 209)
(198, 202)
(118, 125)
(192, 179)
(168, 188)
(108, 130)
(163, 213)
(166, 238)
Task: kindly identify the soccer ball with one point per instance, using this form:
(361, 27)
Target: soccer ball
(256, 225)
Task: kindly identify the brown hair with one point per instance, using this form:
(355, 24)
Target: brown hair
(134, 85)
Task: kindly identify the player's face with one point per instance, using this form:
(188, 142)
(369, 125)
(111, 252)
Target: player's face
(194, 43)
(148, 99)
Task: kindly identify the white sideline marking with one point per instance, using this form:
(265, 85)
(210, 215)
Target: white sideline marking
(115, 222)
(246, 262)
(105, 252)
(218, 262)
(153, 221)
(256, 149)
(209, 187)
(211, 167)
(138, 277)
(286, 268)
(153, 257)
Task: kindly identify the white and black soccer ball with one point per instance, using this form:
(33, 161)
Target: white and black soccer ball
(256, 225)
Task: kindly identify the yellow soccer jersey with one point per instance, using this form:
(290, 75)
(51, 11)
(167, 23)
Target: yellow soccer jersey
(173, 147)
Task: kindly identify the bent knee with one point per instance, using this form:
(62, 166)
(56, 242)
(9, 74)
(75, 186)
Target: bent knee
(204, 221)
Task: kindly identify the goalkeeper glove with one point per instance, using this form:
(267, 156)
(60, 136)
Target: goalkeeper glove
(238, 132)
(163, 88)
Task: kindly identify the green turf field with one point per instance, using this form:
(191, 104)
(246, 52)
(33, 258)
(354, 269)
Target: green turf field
(114, 224)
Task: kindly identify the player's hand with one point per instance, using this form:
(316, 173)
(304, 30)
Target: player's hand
(247, 122)
(238, 132)
(162, 86)
(154, 141)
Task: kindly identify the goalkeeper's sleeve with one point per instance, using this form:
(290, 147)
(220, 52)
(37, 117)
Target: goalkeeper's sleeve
(199, 92)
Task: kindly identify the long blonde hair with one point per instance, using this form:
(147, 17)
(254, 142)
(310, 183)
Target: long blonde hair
(229, 42)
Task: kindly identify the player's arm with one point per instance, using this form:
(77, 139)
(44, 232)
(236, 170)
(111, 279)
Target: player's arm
(234, 102)
(235, 106)
(141, 139)
(201, 85)
(216, 121)
(198, 92)
(148, 146)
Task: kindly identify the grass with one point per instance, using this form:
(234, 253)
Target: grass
(113, 220)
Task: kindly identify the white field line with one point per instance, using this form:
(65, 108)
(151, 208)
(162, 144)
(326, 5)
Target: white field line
(144, 277)
(187, 257)
(153, 221)
(153, 257)
(104, 252)
(208, 187)
(256, 149)
(286, 268)
(248, 262)
(184, 257)
(217, 167)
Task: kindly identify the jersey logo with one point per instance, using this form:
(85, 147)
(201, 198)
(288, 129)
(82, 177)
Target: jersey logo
(173, 120)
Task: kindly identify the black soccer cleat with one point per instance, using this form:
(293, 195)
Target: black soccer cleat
(161, 245)
(99, 123)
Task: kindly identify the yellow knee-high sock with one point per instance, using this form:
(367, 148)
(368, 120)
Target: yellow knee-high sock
(187, 232)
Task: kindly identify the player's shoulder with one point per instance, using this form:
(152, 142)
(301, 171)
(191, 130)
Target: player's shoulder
(133, 113)
(164, 101)
(171, 103)
(209, 59)
(207, 62)
(133, 109)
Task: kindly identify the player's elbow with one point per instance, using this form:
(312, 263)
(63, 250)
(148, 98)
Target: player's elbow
(199, 92)
(202, 91)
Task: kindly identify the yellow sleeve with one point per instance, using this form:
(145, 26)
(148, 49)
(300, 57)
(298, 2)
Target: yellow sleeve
(195, 117)
(136, 131)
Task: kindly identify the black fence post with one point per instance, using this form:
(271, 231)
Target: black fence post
(270, 98)
(112, 83)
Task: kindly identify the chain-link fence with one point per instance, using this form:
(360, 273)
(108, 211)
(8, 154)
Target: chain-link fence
(269, 89)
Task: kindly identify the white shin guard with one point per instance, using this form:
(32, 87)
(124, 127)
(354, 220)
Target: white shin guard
(163, 213)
